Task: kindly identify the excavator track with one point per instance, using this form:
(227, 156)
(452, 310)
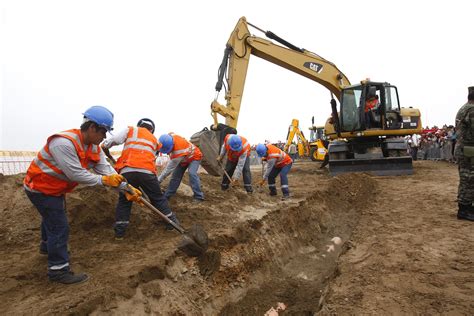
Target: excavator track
(387, 166)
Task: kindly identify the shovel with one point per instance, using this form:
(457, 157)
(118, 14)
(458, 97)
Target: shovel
(225, 172)
(194, 242)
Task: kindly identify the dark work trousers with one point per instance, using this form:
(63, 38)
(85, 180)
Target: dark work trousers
(54, 229)
(230, 168)
(149, 184)
(283, 179)
(414, 152)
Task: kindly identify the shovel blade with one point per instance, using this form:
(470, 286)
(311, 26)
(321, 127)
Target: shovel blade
(195, 242)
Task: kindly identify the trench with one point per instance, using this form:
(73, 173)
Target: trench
(282, 258)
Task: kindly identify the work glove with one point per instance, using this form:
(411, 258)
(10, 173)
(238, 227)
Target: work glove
(134, 195)
(261, 183)
(234, 182)
(113, 180)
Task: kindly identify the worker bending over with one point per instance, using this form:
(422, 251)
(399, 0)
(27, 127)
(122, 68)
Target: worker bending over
(137, 165)
(238, 161)
(59, 167)
(183, 155)
(278, 162)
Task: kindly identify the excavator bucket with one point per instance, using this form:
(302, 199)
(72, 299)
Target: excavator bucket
(209, 142)
(387, 166)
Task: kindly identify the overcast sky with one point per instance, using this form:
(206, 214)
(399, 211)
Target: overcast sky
(159, 59)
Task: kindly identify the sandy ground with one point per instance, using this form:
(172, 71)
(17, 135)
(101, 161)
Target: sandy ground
(402, 250)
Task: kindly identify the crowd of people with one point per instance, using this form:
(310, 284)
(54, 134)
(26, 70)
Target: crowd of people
(433, 143)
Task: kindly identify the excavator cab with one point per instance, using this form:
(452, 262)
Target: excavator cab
(370, 117)
(370, 105)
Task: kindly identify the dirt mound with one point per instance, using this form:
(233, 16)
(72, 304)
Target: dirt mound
(263, 251)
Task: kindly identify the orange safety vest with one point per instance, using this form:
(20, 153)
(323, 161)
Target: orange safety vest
(282, 158)
(43, 174)
(234, 155)
(370, 104)
(184, 148)
(139, 150)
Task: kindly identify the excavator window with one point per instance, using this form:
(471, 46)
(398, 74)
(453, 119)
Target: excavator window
(391, 99)
(349, 112)
(393, 118)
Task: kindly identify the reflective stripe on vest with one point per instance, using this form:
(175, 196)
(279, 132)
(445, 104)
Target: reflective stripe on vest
(139, 150)
(282, 159)
(44, 174)
(184, 148)
(234, 155)
(130, 142)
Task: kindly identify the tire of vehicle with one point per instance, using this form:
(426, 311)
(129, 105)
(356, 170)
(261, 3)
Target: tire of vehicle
(313, 153)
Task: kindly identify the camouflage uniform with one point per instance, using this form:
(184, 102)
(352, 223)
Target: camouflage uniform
(464, 152)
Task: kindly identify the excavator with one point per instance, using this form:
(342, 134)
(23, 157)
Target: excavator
(318, 143)
(362, 139)
(301, 141)
(314, 148)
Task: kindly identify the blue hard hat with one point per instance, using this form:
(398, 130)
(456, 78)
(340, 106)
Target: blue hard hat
(235, 143)
(166, 141)
(101, 116)
(261, 150)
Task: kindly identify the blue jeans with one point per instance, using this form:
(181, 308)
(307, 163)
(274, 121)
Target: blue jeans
(194, 180)
(54, 229)
(283, 179)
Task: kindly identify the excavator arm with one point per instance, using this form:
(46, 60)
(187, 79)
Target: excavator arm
(242, 44)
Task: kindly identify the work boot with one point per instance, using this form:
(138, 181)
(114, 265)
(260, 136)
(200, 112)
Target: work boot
(465, 212)
(67, 277)
(119, 235)
(285, 197)
(174, 219)
(197, 201)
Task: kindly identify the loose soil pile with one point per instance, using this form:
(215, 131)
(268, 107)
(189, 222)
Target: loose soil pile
(402, 251)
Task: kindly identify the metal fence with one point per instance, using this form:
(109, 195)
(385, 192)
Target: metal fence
(14, 162)
(436, 150)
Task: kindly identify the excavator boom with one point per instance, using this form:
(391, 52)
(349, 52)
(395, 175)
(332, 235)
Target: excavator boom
(241, 45)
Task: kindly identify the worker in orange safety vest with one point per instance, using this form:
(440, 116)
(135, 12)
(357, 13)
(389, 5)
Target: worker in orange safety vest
(137, 164)
(371, 105)
(278, 162)
(58, 168)
(183, 156)
(237, 149)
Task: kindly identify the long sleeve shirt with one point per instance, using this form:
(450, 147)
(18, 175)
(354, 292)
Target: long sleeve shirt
(268, 168)
(65, 154)
(240, 163)
(170, 166)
